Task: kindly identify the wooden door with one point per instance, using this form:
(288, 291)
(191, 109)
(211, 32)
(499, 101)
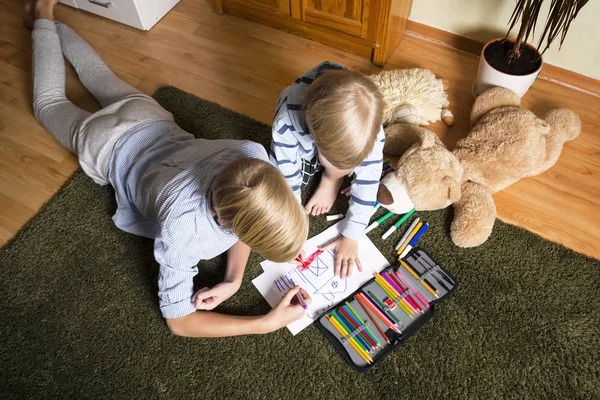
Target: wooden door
(341, 15)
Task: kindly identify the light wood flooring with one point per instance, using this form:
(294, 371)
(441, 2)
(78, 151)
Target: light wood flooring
(243, 66)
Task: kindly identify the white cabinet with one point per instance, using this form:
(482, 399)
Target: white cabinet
(141, 14)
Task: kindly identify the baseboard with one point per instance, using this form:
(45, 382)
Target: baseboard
(549, 71)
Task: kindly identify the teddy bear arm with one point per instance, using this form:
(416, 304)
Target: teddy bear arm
(474, 216)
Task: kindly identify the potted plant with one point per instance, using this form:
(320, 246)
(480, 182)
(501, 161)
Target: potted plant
(514, 63)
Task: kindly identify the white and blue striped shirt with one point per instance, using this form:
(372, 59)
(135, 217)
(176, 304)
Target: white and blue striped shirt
(292, 142)
(162, 178)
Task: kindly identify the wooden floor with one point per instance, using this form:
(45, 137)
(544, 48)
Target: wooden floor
(243, 66)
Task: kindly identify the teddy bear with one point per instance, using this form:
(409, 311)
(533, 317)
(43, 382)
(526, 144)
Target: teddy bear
(506, 143)
(412, 96)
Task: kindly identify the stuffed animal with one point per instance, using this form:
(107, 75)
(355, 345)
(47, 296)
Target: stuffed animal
(412, 96)
(506, 143)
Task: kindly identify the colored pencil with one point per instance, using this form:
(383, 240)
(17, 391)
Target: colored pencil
(397, 224)
(408, 296)
(418, 275)
(409, 238)
(361, 322)
(390, 291)
(356, 325)
(384, 288)
(383, 307)
(412, 289)
(348, 327)
(389, 287)
(365, 356)
(409, 269)
(404, 301)
(371, 317)
(386, 320)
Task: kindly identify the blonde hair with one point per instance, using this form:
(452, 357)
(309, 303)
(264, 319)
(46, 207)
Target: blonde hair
(344, 111)
(252, 198)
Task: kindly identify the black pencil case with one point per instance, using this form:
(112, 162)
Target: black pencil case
(412, 308)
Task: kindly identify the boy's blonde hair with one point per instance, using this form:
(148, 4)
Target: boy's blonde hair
(252, 198)
(344, 111)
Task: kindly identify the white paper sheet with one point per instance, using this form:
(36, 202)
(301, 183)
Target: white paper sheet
(325, 289)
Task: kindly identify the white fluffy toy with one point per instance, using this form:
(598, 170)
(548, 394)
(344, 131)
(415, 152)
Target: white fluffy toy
(412, 96)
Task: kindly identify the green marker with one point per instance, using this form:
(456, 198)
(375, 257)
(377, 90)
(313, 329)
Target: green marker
(378, 222)
(397, 224)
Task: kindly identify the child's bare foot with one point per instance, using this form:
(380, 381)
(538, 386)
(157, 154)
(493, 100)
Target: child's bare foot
(30, 10)
(39, 9)
(324, 196)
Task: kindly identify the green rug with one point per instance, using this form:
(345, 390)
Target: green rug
(79, 315)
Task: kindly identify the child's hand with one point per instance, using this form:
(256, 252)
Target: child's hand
(288, 310)
(207, 299)
(346, 255)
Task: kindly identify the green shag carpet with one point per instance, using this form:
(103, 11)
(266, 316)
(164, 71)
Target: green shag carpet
(79, 316)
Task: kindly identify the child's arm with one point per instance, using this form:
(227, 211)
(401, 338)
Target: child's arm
(284, 153)
(237, 257)
(364, 191)
(211, 324)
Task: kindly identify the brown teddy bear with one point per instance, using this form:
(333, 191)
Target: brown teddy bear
(506, 143)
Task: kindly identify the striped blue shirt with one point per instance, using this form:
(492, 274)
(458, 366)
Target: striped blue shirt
(292, 142)
(162, 178)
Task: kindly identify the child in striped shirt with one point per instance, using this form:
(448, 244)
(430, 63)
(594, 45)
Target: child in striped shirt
(329, 120)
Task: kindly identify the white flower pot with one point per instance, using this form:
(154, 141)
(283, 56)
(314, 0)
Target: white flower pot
(488, 76)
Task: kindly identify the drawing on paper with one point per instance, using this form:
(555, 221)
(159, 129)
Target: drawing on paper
(319, 277)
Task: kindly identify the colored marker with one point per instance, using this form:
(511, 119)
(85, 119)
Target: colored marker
(334, 217)
(387, 171)
(378, 222)
(414, 240)
(397, 224)
(386, 160)
(405, 236)
(372, 318)
(409, 238)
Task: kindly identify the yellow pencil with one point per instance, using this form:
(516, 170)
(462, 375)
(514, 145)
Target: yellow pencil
(409, 238)
(393, 293)
(409, 269)
(363, 354)
(352, 342)
(392, 290)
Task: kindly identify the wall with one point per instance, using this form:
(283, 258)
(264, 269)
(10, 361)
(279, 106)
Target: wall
(484, 20)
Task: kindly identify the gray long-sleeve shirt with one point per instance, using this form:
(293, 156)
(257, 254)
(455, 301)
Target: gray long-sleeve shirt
(162, 178)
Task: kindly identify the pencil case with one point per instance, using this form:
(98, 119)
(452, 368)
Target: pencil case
(383, 313)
